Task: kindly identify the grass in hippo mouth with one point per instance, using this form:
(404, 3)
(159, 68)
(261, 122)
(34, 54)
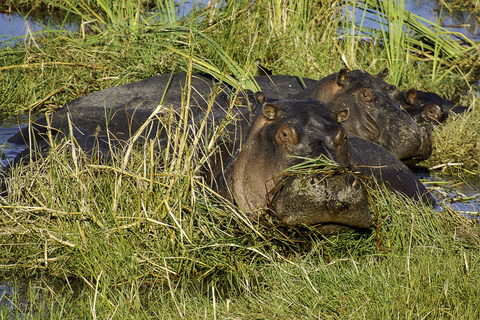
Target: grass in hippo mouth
(312, 166)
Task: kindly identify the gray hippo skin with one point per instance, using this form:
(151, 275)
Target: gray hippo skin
(338, 195)
(112, 116)
(428, 107)
(369, 105)
(306, 128)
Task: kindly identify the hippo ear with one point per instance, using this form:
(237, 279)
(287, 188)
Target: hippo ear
(260, 97)
(270, 111)
(411, 96)
(341, 115)
(342, 77)
(383, 74)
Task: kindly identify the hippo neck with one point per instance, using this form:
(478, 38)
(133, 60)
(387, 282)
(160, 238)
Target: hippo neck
(249, 186)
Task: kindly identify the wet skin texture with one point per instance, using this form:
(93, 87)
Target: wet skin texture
(370, 108)
(428, 107)
(115, 114)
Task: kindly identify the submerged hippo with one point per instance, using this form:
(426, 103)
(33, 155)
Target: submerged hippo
(428, 107)
(369, 106)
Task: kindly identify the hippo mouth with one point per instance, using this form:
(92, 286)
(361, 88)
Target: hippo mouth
(334, 203)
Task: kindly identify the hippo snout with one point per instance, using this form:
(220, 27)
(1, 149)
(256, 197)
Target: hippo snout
(412, 143)
(424, 148)
(336, 202)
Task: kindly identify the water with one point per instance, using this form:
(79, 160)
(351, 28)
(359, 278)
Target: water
(8, 128)
(462, 195)
(462, 22)
(13, 26)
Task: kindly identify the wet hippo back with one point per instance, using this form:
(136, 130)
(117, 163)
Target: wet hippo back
(114, 115)
(281, 87)
(376, 163)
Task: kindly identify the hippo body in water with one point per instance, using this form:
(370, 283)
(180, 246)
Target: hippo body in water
(369, 106)
(428, 107)
(282, 133)
(112, 116)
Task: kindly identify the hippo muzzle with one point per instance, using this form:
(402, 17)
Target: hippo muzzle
(413, 144)
(333, 204)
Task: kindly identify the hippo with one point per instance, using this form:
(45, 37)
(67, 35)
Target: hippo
(283, 134)
(312, 132)
(112, 116)
(370, 108)
(429, 107)
(264, 140)
(284, 131)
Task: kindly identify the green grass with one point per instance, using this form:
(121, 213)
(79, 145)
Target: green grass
(135, 239)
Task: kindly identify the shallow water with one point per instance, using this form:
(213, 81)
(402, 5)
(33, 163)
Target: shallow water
(13, 26)
(462, 22)
(8, 128)
(461, 195)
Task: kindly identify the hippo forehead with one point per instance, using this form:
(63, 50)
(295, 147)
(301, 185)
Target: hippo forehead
(305, 114)
(360, 79)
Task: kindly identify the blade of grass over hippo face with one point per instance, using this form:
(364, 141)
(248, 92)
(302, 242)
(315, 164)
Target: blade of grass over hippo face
(428, 107)
(322, 192)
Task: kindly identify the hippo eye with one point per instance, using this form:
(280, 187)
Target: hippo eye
(286, 135)
(367, 95)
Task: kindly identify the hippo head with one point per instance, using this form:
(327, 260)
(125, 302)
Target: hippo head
(368, 107)
(428, 107)
(282, 133)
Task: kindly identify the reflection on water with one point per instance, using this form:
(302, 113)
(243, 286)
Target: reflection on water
(462, 196)
(8, 128)
(36, 297)
(456, 21)
(14, 26)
